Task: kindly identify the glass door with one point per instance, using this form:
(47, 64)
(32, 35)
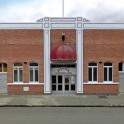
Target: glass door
(60, 83)
(69, 84)
(63, 84)
(57, 83)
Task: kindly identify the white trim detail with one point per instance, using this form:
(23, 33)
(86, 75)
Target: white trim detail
(63, 25)
(61, 22)
(21, 26)
(103, 25)
(79, 38)
(47, 86)
(3, 72)
(92, 82)
(21, 83)
(61, 19)
(101, 83)
(121, 72)
(123, 66)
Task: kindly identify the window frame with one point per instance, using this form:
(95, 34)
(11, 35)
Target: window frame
(3, 68)
(92, 67)
(18, 73)
(34, 68)
(108, 72)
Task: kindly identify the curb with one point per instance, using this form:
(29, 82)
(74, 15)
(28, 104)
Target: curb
(61, 105)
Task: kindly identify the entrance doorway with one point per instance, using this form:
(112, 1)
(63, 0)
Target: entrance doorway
(63, 83)
(63, 79)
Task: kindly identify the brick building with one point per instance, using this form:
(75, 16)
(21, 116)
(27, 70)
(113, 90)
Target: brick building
(61, 55)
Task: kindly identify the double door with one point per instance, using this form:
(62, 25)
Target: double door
(63, 84)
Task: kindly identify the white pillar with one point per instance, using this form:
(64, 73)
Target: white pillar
(79, 42)
(122, 66)
(47, 87)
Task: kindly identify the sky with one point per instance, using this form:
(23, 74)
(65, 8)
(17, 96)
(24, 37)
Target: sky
(104, 11)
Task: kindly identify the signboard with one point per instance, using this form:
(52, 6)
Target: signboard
(63, 71)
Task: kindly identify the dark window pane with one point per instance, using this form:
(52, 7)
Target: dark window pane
(5, 67)
(53, 87)
(60, 79)
(66, 65)
(90, 74)
(31, 75)
(0, 67)
(105, 74)
(15, 75)
(72, 87)
(20, 75)
(108, 64)
(18, 64)
(95, 74)
(33, 64)
(92, 64)
(120, 67)
(59, 87)
(66, 87)
(66, 79)
(53, 79)
(110, 74)
(36, 75)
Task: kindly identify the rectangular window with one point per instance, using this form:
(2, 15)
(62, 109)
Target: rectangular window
(15, 75)
(3, 67)
(18, 74)
(36, 75)
(60, 79)
(92, 72)
(108, 72)
(33, 73)
(0, 67)
(95, 74)
(105, 74)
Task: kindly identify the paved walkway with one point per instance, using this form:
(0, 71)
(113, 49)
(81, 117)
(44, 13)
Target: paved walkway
(62, 100)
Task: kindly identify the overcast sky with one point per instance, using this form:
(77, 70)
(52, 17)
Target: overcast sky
(32, 10)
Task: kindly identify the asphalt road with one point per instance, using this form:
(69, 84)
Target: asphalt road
(61, 115)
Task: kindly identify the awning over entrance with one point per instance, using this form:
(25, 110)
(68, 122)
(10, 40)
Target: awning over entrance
(63, 53)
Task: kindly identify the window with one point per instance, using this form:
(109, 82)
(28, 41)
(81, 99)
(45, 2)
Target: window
(18, 72)
(3, 67)
(108, 72)
(33, 72)
(92, 72)
(120, 67)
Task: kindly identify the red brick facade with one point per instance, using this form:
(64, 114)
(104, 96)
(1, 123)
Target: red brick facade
(23, 46)
(27, 46)
(102, 46)
(33, 89)
(56, 34)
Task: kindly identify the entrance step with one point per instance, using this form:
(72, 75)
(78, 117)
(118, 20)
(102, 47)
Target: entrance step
(63, 94)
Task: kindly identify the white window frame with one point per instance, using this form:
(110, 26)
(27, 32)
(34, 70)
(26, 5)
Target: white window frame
(92, 67)
(34, 67)
(108, 73)
(3, 68)
(18, 73)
